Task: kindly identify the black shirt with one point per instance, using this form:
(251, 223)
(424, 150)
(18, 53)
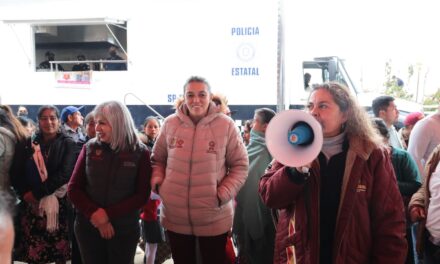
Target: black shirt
(331, 174)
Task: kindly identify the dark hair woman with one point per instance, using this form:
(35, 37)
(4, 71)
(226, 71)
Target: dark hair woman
(43, 212)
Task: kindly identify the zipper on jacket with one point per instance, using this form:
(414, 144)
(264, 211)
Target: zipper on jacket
(318, 228)
(341, 202)
(310, 220)
(189, 180)
(319, 217)
(111, 178)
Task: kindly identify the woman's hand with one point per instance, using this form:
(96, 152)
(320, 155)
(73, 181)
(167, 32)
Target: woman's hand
(99, 217)
(304, 171)
(106, 230)
(155, 184)
(417, 213)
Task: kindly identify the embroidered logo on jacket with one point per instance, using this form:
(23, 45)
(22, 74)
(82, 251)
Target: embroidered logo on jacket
(211, 147)
(176, 143)
(129, 164)
(97, 155)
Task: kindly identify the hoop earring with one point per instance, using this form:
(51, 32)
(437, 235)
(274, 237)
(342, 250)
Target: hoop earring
(343, 126)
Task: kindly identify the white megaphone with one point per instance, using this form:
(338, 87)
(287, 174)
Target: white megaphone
(294, 138)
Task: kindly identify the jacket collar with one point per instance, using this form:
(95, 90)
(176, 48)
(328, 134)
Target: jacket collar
(357, 148)
(361, 148)
(257, 138)
(183, 114)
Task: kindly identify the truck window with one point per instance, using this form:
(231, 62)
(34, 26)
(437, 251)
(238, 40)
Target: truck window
(98, 47)
(316, 76)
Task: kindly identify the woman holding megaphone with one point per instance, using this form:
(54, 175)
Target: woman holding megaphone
(345, 207)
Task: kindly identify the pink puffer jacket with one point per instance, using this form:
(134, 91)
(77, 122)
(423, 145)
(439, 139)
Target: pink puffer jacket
(199, 170)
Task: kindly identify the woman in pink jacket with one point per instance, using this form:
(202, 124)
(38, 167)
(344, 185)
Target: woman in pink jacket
(199, 165)
(348, 208)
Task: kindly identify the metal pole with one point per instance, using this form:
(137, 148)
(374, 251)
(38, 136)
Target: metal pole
(281, 93)
(117, 40)
(418, 81)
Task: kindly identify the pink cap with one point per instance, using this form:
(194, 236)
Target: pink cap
(412, 118)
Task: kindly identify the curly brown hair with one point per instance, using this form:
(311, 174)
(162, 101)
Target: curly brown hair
(358, 123)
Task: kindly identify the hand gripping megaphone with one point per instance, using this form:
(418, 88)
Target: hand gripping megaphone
(294, 138)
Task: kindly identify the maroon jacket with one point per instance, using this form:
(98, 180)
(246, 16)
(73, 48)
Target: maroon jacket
(370, 224)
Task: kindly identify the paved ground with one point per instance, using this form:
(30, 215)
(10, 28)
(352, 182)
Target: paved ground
(138, 258)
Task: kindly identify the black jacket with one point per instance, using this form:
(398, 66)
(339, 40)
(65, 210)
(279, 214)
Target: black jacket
(59, 165)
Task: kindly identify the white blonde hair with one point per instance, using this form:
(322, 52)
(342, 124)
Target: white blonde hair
(124, 134)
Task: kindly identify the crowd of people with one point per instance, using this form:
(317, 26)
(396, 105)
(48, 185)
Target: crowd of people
(50, 63)
(87, 189)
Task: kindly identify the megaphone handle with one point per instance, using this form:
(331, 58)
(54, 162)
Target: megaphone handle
(300, 174)
(305, 170)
